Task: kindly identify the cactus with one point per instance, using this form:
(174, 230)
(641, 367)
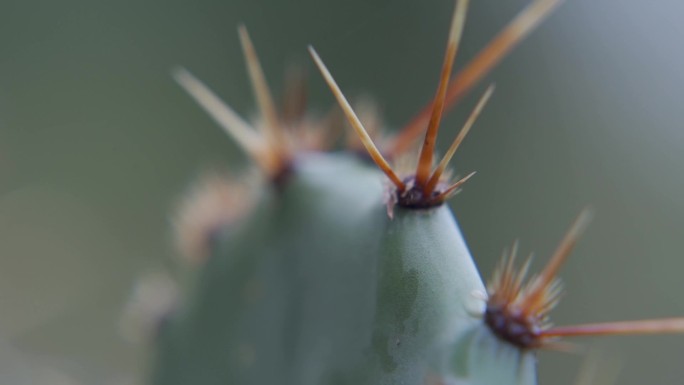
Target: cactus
(329, 269)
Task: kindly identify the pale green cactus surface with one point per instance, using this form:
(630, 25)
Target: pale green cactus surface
(319, 286)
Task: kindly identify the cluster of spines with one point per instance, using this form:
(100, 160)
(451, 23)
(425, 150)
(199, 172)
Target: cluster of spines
(271, 146)
(517, 309)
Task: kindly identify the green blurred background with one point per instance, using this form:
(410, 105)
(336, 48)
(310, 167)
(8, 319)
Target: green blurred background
(97, 144)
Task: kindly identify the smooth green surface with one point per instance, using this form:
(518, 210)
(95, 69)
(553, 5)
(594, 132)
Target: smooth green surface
(425, 294)
(287, 295)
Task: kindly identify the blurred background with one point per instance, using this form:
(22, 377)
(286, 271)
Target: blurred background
(97, 144)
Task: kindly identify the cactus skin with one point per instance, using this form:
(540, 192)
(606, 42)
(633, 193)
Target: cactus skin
(319, 286)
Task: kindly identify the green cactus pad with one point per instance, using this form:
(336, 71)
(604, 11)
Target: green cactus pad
(318, 286)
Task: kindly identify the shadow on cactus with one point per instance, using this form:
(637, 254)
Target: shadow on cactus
(330, 270)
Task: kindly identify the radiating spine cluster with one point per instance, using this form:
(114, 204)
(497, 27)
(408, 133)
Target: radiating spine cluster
(425, 188)
(518, 311)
